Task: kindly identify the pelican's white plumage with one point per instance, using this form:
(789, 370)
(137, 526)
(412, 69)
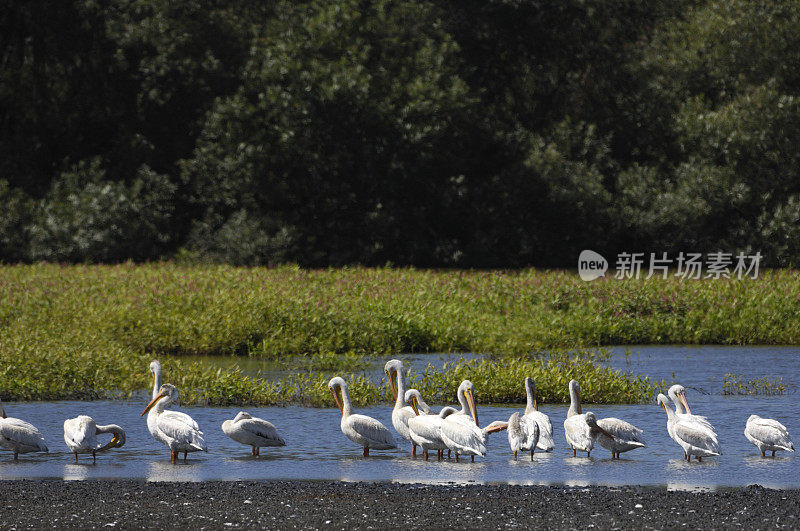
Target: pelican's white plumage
(462, 437)
(252, 431)
(692, 437)
(677, 393)
(581, 429)
(768, 435)
(626, 436)
(426, 430)
(178, 431)
(365, 431)
(402, 412)
(19, 436)
(532, 413)
(523, 435)
(80, 435)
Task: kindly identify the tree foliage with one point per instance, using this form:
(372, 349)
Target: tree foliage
(435, 133)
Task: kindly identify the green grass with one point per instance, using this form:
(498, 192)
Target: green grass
(86, 331)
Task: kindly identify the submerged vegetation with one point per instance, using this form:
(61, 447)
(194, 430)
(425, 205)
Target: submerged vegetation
(90, 331)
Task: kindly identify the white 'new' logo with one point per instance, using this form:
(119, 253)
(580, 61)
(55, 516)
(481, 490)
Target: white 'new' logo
(591, 265)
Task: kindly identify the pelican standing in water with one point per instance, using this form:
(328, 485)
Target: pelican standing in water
(402, 412)
(581, 429)
(81, 433)
(461, 432)
(19, 436)
(426, 430)
(532, 413)
(693, 438)
(365, 431)
(252, 431)
(626, 436)
(768, 435)
(522, 436)
(178, 431)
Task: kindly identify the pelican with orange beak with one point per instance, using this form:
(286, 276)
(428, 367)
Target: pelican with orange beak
(178, 431)
(81, 433)
(581, 429)
(460, 431)
(402, 412)
(365, 431)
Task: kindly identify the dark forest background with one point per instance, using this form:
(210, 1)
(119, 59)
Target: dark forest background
(466, 133)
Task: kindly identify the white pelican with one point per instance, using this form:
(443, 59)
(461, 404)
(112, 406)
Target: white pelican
(176, 430)
(426, 430)
(252, 431)
(532, 412)
(361, 429)
(694, 439)
(626, 436)
(155, 369)
(768, 435)
(677, 393)
(580, 430)
(522, 436)
(81, 433)
(421, 407)
(402, 411)
(19, 436)
(460, 430)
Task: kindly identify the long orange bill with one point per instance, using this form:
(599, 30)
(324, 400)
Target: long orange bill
(414, 405)
(393, 383)
(472, 408)
(499, 427)
(158, 397)
(685, 403)
(336, 398)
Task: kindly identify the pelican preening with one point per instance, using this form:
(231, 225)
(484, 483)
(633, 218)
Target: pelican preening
(691, 436)
(178, 431)
(523, 434)
(768, 435)
(81, 433)
(19, 436)
(363, 430)
(545, 441)
(252, 431)
(581, 429)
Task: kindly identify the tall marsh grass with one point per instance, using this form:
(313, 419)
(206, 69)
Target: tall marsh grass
(86, 331)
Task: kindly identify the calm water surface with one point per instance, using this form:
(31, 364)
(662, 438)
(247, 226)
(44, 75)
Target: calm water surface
(316, 448)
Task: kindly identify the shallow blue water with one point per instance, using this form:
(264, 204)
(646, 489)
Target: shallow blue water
(316, 448)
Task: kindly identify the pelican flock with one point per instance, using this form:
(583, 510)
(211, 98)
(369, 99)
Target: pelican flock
(455, 430)
(81, 433)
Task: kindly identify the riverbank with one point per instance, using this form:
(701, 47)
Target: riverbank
(338, 505)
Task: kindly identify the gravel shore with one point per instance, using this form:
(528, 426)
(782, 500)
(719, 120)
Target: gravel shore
(337, 505)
